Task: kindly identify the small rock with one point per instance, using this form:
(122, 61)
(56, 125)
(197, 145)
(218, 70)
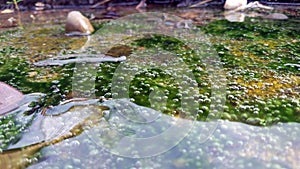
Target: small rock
(234, 4)
(77, 24)
(7, 11)
(12, 21)
(119, 50)
(277, 16)
(39, 6)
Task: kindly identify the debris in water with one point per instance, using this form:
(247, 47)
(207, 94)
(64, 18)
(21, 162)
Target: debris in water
(67, 59)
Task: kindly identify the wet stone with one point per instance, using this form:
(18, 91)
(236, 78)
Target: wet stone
(77, 24)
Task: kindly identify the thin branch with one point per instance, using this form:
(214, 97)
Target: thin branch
(200, 3)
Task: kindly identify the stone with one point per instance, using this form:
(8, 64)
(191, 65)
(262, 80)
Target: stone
(10, 98)
(78, 25)
(234, 4)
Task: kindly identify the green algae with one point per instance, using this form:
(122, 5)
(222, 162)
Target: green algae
(256, 54)
(263, 112)
(254, 28)
(9, 129)
(249, 51)
(261, 91)
(264, 43)
(160, 41)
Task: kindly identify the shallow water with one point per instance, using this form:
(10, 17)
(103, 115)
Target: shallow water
(229, 145)
(244, 73)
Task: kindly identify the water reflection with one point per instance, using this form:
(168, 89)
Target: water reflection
(232, 144)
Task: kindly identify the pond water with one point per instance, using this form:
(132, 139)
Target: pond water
(174, 88)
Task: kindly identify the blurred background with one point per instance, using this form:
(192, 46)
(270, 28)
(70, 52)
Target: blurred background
(30, 4)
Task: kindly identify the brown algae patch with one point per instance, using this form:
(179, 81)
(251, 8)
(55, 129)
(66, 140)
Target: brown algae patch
(44, 42)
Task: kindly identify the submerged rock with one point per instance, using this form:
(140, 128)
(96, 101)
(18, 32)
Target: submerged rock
(277, 16)
(77, 24)
(119, 50)
(234, 4)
